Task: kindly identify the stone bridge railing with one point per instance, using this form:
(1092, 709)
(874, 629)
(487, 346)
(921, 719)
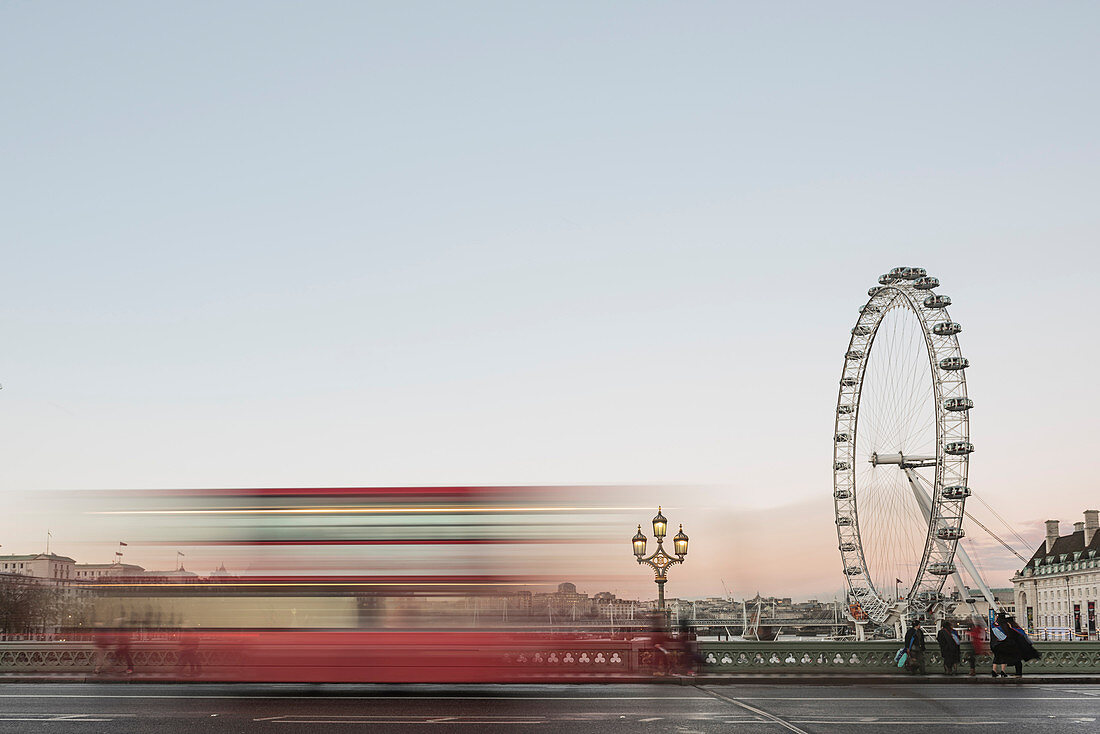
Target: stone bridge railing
(580, 658)
(873, 657)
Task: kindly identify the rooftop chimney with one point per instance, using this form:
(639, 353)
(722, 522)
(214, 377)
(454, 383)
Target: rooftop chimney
(1092, 523)
(1052, 533)
(1078, 527)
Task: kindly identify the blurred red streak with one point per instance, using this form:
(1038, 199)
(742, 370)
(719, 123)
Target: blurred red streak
(396, 541)
(339, 491)
(115, 582)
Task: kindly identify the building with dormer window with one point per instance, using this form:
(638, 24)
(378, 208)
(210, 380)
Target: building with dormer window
(1058, 590)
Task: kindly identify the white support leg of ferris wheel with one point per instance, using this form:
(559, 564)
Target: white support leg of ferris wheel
(925, 501)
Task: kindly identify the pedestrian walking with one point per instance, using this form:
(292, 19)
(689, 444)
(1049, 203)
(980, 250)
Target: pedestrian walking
(914, 647)
(949, 647)
(974, 646)
(1026, 650)
(690, 658)
(1005, 644)
(102, 640)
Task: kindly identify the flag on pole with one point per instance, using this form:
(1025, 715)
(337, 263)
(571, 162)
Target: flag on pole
(121, 543)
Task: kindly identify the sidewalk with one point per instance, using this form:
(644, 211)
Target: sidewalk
(814, 679)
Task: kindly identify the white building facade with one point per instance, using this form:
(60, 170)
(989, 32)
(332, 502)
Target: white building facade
(1058, 590)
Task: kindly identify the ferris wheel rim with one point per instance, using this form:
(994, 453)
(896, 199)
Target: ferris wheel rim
(912, 289)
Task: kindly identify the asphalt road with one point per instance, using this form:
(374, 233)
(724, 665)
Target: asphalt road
(762, 709)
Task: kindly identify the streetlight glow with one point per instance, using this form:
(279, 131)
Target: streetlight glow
(639, 543)
(680, 542)
(660, 525)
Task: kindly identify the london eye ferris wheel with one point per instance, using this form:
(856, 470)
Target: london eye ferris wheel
(901, 449)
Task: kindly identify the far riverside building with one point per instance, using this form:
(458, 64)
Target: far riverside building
(39, 565)
(1058, 590)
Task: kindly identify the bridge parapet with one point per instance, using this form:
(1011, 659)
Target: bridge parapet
(872, 657)
(563, 659)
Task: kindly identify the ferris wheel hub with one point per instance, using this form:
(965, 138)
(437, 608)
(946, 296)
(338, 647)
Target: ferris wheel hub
(902, 460)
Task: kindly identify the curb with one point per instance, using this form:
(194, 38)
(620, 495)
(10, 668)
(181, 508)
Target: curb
(744, 679)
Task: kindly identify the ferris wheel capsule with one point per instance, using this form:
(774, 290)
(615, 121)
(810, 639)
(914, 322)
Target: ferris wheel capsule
(941, 569)
(937, 301)
(947, 328)
(926, 283)
(954, 363)
(956, 492)
(957, 405)
(959, 448)
(913, 273)
(928, 598)
(950, 533)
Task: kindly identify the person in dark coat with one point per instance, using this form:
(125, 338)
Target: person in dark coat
(949, 647)
(1023, 644)
(914, 646)
(1005, 645)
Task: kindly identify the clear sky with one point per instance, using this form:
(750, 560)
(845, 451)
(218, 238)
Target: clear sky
(328, 243)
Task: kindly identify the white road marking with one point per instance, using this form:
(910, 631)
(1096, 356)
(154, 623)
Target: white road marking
(403, 721)
(652, 718)
(47, 720)
(546, 698)
(968, 722)
(1080, 691)
(760, 712)
(902, 698)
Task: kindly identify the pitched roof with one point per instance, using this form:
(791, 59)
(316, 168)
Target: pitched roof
(1066, 544)
(90, 566)
(36, 557)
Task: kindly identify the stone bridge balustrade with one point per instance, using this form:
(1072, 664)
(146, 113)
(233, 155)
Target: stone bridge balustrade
(585, 657)
(874, 657)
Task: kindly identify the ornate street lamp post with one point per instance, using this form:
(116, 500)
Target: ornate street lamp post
(659, 561)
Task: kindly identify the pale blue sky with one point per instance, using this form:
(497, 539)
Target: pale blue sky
(328, 243)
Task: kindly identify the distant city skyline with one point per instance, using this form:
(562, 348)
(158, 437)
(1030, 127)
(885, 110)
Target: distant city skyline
(257, 245)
